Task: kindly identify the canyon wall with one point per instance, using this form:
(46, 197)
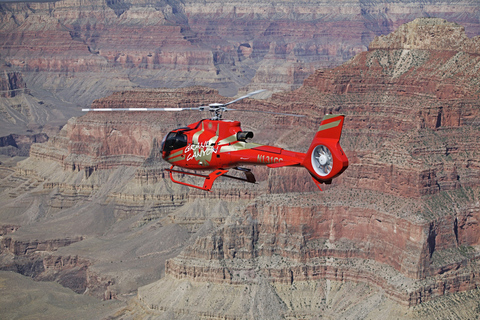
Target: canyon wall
(409, 199)
(72, 52)
(402, 220)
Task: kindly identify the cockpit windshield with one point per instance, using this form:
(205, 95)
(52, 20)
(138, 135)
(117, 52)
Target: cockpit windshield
(175, 140)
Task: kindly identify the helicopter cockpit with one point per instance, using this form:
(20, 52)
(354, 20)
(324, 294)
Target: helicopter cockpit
(174, 140)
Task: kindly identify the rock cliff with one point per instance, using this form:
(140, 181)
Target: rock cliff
(405, 216)
(69, 52)
(398, 228)
(226, 45)
(11, 84)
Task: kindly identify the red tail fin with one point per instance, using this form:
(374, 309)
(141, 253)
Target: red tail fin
(325, 158)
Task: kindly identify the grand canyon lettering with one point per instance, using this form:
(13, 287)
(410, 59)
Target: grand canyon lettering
(199, 151)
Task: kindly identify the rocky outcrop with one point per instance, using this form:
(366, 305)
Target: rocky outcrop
(19, 145)
(32, 258)
(223, 44)
(399, 219)
(25, 118)
(5, 229)
(20, 248)
(70, 271)
(428, 34)
(402, 218)
(290, 244)
(11, 84)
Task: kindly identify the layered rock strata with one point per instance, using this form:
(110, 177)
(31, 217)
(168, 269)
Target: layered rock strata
(70, 52)
(38, 260)
(406, 214)
(99, 176)
(11, 84)
(403, 218)
(223, 44)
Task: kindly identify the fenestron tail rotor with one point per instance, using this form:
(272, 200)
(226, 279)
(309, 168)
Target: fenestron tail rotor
(322, 160)
(217, 109)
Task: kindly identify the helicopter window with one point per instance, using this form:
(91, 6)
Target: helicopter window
(175, 140)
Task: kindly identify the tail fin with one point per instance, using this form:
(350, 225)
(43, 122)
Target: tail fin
(325, 158)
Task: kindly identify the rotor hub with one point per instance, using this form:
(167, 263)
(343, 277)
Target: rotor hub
(323, 160)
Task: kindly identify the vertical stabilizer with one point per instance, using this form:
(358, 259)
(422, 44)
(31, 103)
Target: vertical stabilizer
(325, 158)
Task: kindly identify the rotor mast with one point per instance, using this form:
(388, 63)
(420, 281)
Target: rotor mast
(219, 108)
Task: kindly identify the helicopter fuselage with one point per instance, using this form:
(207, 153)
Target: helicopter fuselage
(212, 144)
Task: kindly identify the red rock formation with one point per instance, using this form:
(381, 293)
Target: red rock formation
(226, 43)
(69, 36)
(407, 195)
(404, 216)
(419, 95)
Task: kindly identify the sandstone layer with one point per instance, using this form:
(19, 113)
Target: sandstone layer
(93, 209)
(71, 52)
(404, 216)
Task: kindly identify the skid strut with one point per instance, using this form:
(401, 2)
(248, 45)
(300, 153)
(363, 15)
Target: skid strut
(210, 179)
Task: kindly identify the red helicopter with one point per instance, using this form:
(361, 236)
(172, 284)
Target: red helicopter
(219, 145)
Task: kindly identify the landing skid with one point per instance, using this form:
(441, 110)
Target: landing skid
(210, 179)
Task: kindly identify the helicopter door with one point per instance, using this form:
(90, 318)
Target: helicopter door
(175, 140)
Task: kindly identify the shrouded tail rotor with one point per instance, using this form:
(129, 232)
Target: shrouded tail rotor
(322, 160)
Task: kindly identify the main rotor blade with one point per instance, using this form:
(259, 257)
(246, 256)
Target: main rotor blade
(269, 112)
(245, 96)
(141, 109)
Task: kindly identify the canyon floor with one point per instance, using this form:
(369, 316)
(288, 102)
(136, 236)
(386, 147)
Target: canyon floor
(24, 298)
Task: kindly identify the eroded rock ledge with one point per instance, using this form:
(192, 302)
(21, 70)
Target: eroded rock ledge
(406, 215)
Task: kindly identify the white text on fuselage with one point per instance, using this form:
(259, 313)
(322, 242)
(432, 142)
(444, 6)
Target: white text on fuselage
(203, 149)
(267, 159)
